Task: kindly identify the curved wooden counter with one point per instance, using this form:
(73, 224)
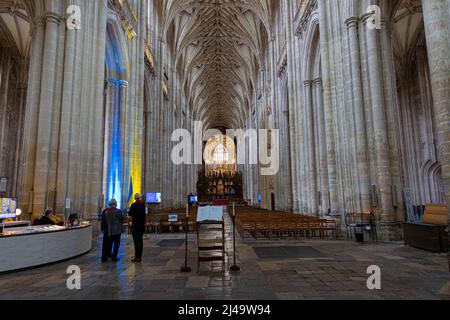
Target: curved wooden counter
(32, 248)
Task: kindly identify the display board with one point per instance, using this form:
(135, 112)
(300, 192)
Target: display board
(153, 198)
(8, 208)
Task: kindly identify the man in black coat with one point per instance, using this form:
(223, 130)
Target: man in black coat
(45, 220)
(138, 218)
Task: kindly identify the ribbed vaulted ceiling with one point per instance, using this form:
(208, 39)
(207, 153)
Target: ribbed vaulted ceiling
(14, 27)
(218, 48)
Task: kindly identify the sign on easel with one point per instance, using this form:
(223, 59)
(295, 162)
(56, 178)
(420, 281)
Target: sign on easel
(210, 214)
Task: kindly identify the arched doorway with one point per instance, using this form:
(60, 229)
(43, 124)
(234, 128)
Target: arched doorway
(116, 83)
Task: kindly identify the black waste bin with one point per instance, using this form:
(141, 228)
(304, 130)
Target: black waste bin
(359, 234)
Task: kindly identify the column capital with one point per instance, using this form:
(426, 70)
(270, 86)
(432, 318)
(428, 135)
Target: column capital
(117, 83)
(52, 17)
(317, 81)
(35, 23)
(352, 22)
(123, 83)
(39, 21)
(365, 18)
(307, 83)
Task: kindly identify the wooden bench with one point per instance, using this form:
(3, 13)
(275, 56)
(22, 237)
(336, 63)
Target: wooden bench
(431, 235)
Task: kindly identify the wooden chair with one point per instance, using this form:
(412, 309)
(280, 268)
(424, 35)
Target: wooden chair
(128, 225)
(330, 228)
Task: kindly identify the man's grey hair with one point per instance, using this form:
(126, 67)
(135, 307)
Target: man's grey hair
(112, 202)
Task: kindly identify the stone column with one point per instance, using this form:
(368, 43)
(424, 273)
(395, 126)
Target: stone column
(328, 108)
(292, 108)
(95, 162)
(380, 130)
(323, 160)
(20, 130)
(310, 147)
(391, 100)
(66, 127)
(436, 17)
(360, 120)
(46, 104)
(26, 172)
(5, 73)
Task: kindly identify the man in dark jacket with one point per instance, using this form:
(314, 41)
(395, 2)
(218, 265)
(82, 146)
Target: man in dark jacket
(45, 220)
(112, 227)
(138, 217)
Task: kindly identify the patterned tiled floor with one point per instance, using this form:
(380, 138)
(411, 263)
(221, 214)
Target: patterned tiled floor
(270, 269)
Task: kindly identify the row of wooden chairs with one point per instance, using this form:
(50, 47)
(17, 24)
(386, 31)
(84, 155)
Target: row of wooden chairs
(158, 222)
(278, 224)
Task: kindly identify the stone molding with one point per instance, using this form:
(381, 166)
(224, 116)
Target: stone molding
(53, 17)
(305, 10)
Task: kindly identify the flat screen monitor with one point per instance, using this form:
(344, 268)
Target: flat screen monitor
(193, 199)
(8, 208)
(153, 198)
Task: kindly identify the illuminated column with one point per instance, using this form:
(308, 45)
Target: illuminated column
(116, 174)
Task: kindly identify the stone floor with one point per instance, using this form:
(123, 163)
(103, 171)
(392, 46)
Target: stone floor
(270, 269)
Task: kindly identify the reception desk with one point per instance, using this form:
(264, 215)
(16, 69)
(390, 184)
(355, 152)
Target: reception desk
(27, 247)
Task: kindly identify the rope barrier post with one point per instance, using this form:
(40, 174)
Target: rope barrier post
(186, 268)
(234, 267)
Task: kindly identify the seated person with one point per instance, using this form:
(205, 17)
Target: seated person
(74, 220)
(46, 220)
